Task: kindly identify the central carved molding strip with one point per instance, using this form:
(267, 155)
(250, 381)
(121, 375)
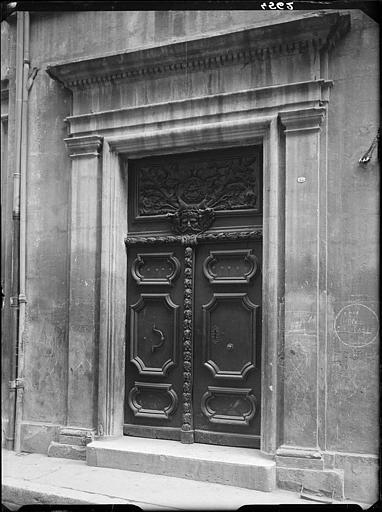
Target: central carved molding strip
(187, 417)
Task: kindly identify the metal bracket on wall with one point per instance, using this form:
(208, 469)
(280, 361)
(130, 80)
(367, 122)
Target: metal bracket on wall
(16, 384)
(365, 159)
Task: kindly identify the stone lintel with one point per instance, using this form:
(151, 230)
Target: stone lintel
(84, 146)
(319, 31)
(302, 120)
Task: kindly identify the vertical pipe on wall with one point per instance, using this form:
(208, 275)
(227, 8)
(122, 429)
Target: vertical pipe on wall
(16, 228)
(22, 250)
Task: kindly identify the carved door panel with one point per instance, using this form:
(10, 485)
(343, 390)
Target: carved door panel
(194, 250)
(153, 353)
(227, 348)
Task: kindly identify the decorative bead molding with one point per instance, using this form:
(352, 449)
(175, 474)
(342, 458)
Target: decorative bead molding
(312, 33)
(86, 146)
(187, 416)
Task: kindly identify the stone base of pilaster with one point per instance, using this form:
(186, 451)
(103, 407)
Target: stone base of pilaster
(304, 470)
(341, 475)
(316, 482)
(71, 443)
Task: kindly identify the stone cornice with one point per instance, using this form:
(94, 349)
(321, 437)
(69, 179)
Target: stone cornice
(317, 32)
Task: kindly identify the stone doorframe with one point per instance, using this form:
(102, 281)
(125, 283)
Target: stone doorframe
(290, 138)
(288, 120)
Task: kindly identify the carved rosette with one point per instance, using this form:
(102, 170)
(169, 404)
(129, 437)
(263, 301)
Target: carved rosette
(187, 436)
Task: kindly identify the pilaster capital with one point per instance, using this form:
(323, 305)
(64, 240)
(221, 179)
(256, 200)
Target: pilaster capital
(84, 146)
(302, 120)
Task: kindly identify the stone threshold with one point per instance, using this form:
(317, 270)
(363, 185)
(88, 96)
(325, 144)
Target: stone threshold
(240, 467)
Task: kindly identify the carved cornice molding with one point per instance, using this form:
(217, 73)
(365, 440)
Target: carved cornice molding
(316, 32)
(85, 146)
(302, 120)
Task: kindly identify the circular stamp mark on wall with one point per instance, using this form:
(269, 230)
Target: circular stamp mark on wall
(356, 325)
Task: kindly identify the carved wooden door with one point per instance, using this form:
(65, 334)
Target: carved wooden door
(194, 249)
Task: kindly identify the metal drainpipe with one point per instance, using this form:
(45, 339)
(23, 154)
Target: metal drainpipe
(16, 227)
(22, 262)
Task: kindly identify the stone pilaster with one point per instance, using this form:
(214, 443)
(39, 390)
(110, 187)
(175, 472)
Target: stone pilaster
(84, 284)
(299, 458)
(299, 358)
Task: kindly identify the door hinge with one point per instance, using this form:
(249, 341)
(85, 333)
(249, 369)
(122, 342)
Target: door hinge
(16, 384)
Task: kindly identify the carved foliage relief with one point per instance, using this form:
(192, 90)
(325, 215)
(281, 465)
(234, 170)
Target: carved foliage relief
(189, 191)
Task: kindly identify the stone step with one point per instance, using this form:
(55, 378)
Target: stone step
(240, 467)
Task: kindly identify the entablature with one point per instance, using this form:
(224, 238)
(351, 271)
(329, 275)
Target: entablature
(309, 34)
(173, 118)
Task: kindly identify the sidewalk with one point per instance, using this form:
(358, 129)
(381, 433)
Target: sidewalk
(35, 478)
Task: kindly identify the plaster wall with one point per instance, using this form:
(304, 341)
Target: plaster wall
(352, 279)
(353, 238)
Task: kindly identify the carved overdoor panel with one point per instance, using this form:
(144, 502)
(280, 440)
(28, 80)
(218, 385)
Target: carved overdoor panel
(194, 248)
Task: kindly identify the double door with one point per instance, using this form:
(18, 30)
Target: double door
(193, 351)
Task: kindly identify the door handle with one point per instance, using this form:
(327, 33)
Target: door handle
(162, 338)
